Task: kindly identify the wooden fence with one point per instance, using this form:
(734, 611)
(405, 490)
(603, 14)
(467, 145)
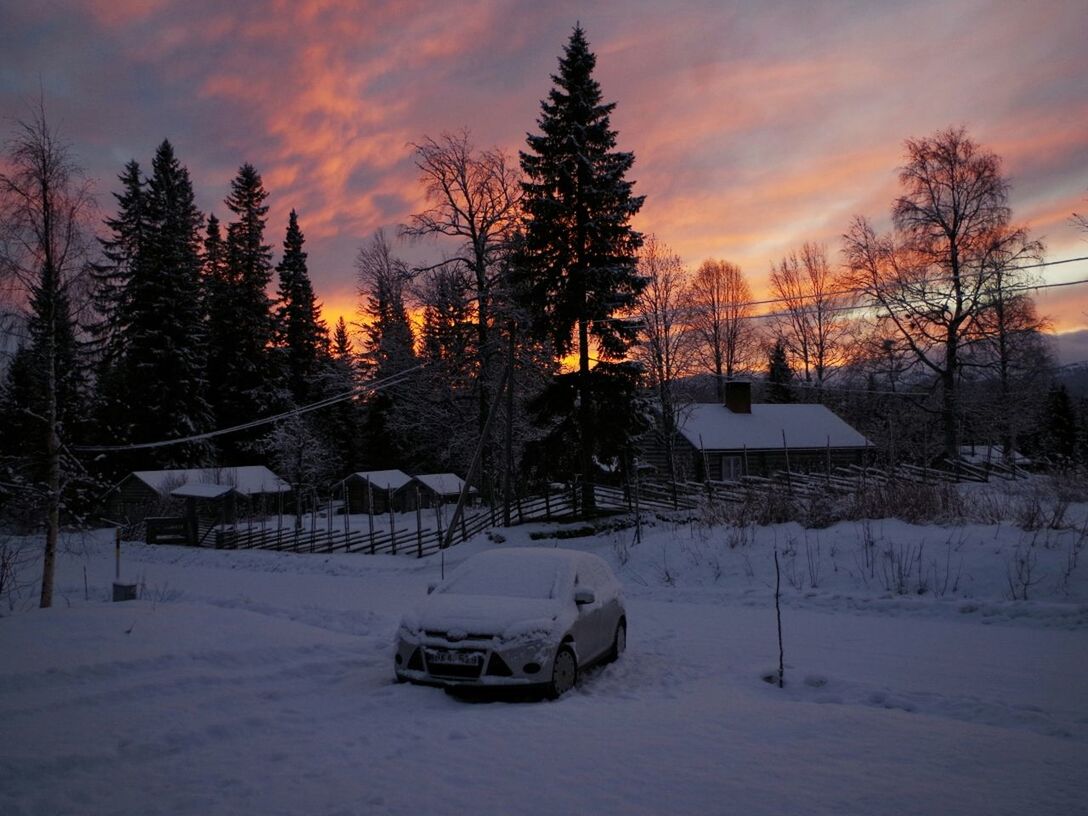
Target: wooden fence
(563, 502)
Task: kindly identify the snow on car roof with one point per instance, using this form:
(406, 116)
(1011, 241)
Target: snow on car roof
(520, 572)
(247, 479)
(714, 427)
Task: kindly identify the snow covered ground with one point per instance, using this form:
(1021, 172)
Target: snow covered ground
(261, 683)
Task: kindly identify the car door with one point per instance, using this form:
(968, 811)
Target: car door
(594, 636)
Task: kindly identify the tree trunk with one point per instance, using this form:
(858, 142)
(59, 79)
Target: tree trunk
(585, 421)
(52, 447)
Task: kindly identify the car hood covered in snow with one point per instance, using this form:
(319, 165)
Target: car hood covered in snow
(488, 615)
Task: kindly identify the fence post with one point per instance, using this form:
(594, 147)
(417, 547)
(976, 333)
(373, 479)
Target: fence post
(370, 512)
(392, 525)
(547, 501)
(789, 477)
(419, 526)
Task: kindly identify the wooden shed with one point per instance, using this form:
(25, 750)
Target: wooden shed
(148, 492)
(441, 488)
(375, 490)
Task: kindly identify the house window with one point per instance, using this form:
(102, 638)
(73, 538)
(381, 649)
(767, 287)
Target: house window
(732, 468)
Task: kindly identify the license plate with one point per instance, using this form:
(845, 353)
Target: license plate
(449, 658)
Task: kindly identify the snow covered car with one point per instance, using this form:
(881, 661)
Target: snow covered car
(515, 617)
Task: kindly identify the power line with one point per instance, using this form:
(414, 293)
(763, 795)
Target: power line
(374, 386)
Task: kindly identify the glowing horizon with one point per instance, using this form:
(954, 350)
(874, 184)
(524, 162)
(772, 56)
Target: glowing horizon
(754, 129)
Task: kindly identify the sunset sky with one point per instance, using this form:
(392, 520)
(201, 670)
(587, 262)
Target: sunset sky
(755, 126)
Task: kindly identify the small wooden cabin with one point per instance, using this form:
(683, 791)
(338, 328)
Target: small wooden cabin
(375, 490)
(151, 492)
(724, 442)
(442, 488)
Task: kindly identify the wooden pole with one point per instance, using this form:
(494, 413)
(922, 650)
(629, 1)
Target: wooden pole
(503, 383)
(392, 523)
(778, 615)
(370, 512)
(789, 477)
(419, 525)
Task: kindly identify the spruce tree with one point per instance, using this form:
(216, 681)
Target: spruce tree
(779, 374)
(576, 268)
(113, 280)
(121, 252)
(163, 367)
(245, 383)
(303, 335)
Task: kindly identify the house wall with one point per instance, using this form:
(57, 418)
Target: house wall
(725, 465)
(132, 501)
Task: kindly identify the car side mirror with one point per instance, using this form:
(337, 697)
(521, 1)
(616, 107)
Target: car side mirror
(431, 587)
(584, 596)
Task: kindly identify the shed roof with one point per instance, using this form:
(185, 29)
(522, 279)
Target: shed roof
(384, 479)
(444, 484)
(711, 426)
(201, 491)
(247, 479)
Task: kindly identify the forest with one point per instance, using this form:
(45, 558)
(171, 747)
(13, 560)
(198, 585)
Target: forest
(548, 342)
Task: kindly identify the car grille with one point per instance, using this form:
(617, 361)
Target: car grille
(454, 671)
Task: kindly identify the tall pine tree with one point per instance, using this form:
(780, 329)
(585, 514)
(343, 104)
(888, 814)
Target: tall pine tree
(163, 365)
(245, 382)
(576, 269)
(303, 336)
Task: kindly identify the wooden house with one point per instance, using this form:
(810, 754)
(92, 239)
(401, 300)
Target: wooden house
(724, 442)
(155, 492)
(442, 488)
(375, 490)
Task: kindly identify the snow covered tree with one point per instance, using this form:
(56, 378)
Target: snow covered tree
(162, 369)
(576, 273)
(303, 335)
(243, 375)
(44, 206)
(121, 252)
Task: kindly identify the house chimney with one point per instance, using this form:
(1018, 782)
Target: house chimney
(738, 396)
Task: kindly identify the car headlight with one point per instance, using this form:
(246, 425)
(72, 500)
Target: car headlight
(408, 634)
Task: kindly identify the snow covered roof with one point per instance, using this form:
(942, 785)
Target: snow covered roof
(444, 484)
(384, 479)
(714, 427)
(247, 480)
(201, 491)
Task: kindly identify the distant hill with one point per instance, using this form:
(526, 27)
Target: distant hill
(1070, 347)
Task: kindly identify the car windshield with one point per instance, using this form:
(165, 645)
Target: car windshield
(507, 576)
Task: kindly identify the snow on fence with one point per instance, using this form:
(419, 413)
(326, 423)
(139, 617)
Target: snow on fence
(565, 503)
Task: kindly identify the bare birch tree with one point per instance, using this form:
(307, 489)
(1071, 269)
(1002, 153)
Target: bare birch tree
(719, 307)
(665, 347)
(931, 280)
(811, 322)
(45, 207)
(473, 198)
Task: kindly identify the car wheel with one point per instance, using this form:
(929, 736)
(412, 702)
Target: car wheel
(564, 673)
(619, 642)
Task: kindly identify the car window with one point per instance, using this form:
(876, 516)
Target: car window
(506, 577)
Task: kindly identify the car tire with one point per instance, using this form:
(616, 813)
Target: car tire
(564, 673)
(619, 642)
